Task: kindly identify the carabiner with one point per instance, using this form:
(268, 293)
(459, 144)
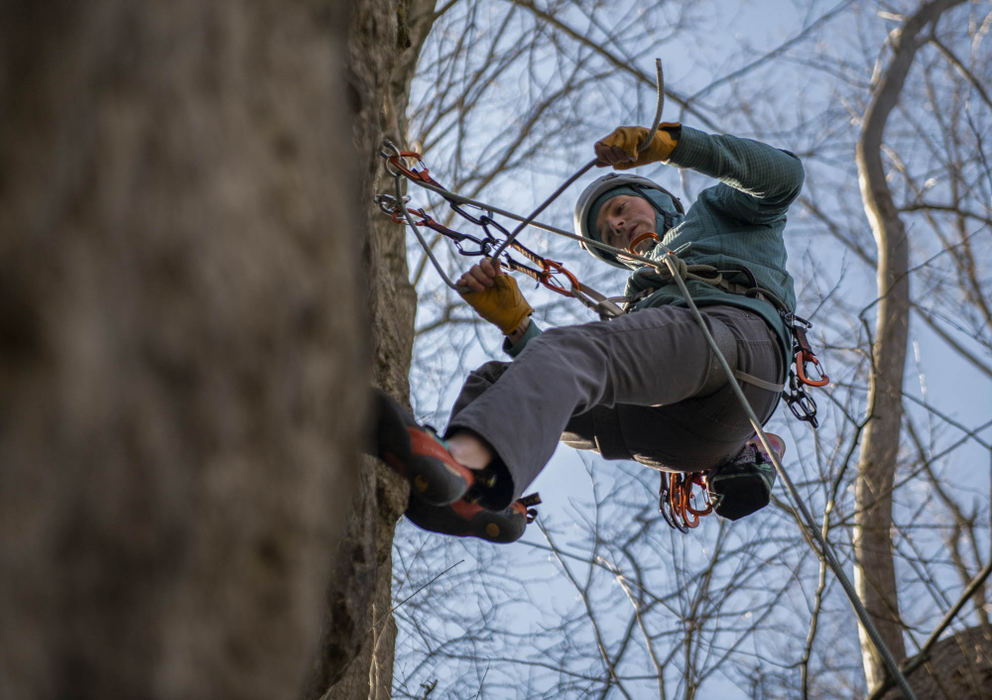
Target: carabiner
(388, 204)
(395, 169)
(388, 148)
(552, 268)
(804, 408)
(804, 357)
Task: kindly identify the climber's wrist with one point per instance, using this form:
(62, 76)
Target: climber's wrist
(517, 333)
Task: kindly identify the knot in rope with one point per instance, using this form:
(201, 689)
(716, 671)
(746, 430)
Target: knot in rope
(677, 267)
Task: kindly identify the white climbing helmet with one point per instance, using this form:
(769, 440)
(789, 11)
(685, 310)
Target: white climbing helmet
(668, 207)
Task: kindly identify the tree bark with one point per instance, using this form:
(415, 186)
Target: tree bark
(182, 343)
(875, 576)
(355, 658)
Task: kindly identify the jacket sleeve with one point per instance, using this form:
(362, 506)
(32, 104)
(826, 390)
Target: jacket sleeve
(757, 182)
(514, 349)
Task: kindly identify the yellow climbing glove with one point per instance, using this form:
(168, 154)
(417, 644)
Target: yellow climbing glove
(620, 149)
(502, 304)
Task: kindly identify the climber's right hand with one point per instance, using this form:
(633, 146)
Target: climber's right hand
(625, 147)
(494, 295)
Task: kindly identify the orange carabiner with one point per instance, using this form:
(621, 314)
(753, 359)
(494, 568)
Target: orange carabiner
(802, 358)
(649, 236)
(552, 268)
(422, 174)
(684, 515)
(679, 492)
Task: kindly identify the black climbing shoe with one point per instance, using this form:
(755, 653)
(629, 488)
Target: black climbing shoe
(744, 485)
(418, 454)
(464, 519)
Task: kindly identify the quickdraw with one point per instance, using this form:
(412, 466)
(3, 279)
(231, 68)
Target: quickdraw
(676, 499)
(487, 244)
(550, 273)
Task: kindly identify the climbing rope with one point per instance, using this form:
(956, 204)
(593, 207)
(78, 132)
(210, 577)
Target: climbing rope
(660, 82)
(799, 510)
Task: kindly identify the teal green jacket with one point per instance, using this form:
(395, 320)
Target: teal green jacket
(739, 222)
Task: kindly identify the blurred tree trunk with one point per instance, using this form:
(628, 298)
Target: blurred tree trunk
(875, 569)
(184, 342)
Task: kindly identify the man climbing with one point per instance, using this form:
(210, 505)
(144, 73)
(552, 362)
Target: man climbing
(645, 385)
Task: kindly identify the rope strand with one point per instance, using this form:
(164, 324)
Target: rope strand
(801, 514)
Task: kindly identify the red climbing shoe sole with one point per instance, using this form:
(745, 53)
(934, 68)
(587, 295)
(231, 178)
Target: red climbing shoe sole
(464, 519)
(416, 454)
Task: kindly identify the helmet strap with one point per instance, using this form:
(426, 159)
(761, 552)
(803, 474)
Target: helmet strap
(668, 218)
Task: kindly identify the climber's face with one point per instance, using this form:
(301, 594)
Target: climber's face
(622, 219)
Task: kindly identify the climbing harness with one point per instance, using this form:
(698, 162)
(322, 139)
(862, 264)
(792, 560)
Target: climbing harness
(800, 403)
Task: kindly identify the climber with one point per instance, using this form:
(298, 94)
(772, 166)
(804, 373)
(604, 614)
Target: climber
(645, 385)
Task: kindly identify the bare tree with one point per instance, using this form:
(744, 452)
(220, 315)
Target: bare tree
(882, 436)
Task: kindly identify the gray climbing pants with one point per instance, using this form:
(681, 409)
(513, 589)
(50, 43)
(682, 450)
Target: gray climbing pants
(645, 386)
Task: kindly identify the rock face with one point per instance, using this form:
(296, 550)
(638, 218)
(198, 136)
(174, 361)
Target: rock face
(185, 346)
(356, 655)
(958, 667)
